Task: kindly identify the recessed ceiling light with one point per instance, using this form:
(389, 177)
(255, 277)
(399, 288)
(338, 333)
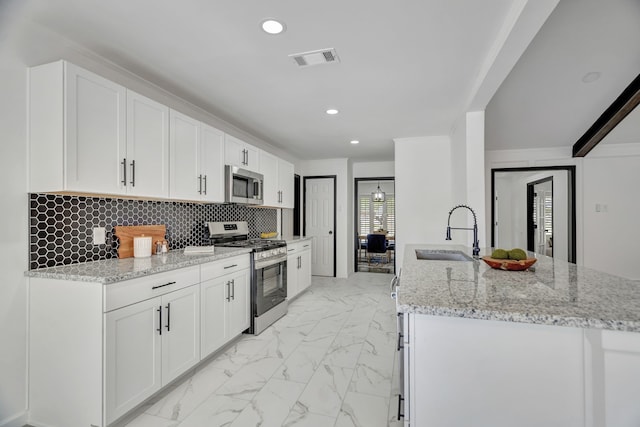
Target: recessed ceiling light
(332, 111)
(355, 141)
(591, 77)
(271, 26)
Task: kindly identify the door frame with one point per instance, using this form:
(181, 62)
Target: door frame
(304, 211)
(530, 197)
(571, 214)
(356, 214)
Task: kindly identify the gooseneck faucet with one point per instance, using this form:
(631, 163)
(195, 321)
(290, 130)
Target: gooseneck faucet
(476, 244)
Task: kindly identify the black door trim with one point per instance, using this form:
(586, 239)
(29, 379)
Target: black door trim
(530, 197)
(356, 211)
(571, 171)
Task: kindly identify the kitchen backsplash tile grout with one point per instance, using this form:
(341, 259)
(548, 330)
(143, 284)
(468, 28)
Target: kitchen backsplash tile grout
(61, 225)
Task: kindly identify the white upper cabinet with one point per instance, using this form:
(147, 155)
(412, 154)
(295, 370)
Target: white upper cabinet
(77, 132)
(147, 158)
(286, 183)
(239, 153)
(184, 159)
(271, 189)
(212, 163)
(196, 169)
(278, 181)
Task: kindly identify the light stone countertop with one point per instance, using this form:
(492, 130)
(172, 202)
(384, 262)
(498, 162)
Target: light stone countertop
(552, 292)
(118, 270)
(296, 239)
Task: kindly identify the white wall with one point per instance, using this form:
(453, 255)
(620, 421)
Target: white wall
(612, 235)
(373, 169)
(14, 241)
(344, 231)
(467, 168)
(423, 190)
(605, 176)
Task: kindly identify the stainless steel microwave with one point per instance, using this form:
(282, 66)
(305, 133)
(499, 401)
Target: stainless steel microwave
(243, 186)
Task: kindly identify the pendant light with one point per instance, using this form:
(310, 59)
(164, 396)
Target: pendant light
(378, 195)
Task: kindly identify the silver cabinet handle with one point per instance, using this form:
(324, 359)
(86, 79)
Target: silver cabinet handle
(228, 297)
(133, 173)
(205, 184)
(233, 289)
(230, 266)
(200, 184)
(124, 171)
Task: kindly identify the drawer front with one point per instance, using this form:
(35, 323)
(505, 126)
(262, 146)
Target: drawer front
(135, 290)
(216, 269)
(304, 246)
(293, 248)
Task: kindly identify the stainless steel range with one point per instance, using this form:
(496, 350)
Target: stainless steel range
(268, 271)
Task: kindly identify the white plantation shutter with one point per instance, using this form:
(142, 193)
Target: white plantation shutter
(376, 215)
(365, 215)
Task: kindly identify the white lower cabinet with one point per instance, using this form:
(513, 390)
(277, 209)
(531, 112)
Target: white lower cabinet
(298, 267)
(148, 345)
(98, 351)
(133, 356)
(224, 303)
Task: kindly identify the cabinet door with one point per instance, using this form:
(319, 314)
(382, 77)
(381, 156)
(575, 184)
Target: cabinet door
(304, 273)
(234, 152)
(214, 306)
(132, 356)
(95, 132)
(285, 180)
(147, 147)
(239, 153)
(292, 276)
(239, 305)
(180, 332)
(185, 178)
(269, 168)
(212, 163)
(253, 158)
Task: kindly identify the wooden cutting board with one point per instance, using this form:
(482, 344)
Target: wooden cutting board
(126, 234)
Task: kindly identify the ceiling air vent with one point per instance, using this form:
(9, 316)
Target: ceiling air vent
(315, 57)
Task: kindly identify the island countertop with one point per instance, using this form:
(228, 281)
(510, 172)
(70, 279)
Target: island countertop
(552, 292)
(118, 270)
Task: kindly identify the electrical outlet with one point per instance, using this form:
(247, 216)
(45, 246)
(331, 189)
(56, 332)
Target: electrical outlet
(99, 236)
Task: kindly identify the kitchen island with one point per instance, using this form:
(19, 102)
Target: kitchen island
(557, 345)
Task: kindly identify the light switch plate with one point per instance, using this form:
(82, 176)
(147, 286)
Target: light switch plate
(99, 236)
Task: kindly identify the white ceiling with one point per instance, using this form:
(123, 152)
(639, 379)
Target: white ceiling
(407, 68)
(544, 103)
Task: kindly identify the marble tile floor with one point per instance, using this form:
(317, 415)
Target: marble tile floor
(331, 361)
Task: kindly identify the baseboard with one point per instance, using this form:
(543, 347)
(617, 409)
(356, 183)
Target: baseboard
(18, 420)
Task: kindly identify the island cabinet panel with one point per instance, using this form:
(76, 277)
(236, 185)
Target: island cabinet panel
(612, 378)
(491, 373)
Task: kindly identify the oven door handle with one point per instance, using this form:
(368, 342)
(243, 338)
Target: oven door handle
(259, 265)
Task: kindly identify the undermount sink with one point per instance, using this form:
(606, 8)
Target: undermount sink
(442, 255)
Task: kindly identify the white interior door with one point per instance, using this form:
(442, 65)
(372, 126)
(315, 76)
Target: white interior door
(320, 224)
(543, 202)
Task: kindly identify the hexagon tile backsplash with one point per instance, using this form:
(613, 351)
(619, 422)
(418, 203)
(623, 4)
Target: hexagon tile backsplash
(61, 225)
